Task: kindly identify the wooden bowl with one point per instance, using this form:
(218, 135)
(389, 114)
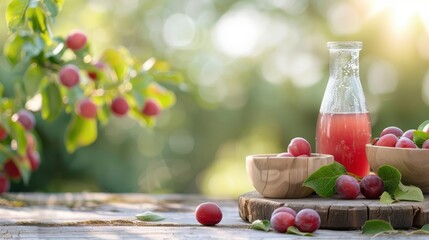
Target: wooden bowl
(282, 177)
(412, 163)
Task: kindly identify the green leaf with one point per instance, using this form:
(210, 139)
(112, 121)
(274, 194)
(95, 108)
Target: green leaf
(409, 193)
(103, 114)
(37, 20)
(17, 131)
(149, 217)
(170, 76)
(24, 168)
(1, 89)
(32, 79)
(55, 51)
(15, 13)
(262, 225)
(376, 226)
(51, 102)
(33, 46)
(391, 178)
(294, 230)
(165, 97)
(425, 227)
(52, 7)
(80, 132)
(323, 180)
(386, 198)
(117, 61)
(13, 48)
(423, 125)
(420, 137)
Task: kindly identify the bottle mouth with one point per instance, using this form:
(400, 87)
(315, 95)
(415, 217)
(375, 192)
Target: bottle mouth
(345, 45)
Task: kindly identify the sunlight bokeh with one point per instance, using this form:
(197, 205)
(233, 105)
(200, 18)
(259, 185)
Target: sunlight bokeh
(255, 73)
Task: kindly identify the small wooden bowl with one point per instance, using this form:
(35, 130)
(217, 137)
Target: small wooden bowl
(412, 163)
(282, 177)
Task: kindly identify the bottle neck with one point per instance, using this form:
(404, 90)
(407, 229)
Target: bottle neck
(344, 63)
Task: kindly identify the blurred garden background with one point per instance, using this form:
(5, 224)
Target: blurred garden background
(255, 74)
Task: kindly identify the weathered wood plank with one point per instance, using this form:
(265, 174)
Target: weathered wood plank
(127, 232)
(112, 216)
(339, 213)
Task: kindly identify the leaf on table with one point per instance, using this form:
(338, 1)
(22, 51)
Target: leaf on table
(323, 180)
(391, 178)
(386, 198)
(262, 225)
(376, 226)
(149, 216)
(294, 230)
(425, 227)
(409, 193)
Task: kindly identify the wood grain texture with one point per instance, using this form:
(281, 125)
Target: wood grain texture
(112, 216)
(282, 177)
(412, 163)
(339, 213)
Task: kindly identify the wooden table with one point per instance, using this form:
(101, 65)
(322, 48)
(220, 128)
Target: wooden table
(112, 216)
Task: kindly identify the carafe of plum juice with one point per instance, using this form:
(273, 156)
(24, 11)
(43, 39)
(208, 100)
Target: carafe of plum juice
(343, 126)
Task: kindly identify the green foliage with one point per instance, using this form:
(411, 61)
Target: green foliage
(376, 226)
(296, 231)
(80, 132)
(323, 180)
(391, 178)
(395, 188)
(409, 193)
(386, 198)
(420, 137)
(36, 57)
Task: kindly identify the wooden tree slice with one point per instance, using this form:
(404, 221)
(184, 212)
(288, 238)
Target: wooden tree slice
(339, 213)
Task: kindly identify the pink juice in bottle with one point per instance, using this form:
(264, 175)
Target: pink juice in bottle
(344, 135)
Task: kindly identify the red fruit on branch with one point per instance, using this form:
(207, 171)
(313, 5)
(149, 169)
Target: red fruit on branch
(4, 183)
(76, 40)
(86, 108)
(3, 133)
(34, 159)
(151, 108)
(11, 170)
(119, 106)
(69, 75)
(93, 75)
(26, 118)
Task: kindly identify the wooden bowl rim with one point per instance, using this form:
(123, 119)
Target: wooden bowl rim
(369, 145)
(274, 156)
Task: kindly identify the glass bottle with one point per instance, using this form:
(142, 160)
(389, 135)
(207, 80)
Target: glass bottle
(343, 126)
